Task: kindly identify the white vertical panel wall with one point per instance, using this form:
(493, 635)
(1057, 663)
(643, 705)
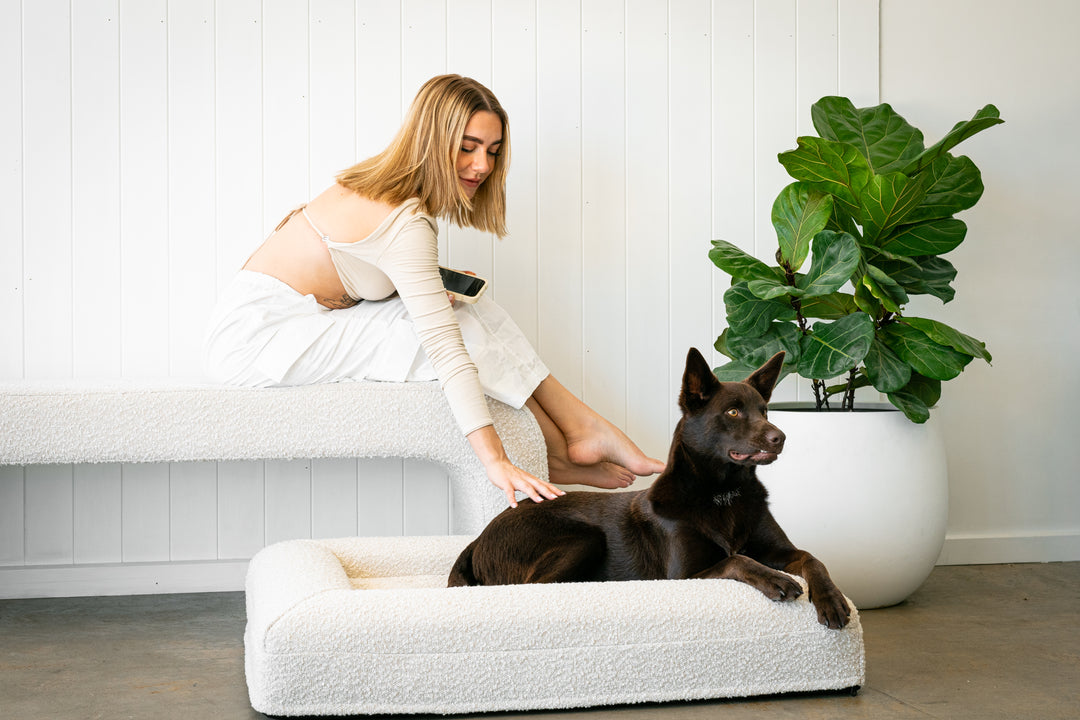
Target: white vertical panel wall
(146, 147)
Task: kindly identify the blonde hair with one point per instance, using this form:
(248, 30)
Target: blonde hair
(421, 161)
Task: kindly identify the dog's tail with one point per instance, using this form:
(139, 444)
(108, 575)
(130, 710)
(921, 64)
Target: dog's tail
(462, 572)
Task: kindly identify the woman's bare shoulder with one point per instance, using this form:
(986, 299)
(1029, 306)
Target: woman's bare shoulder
(353, 215)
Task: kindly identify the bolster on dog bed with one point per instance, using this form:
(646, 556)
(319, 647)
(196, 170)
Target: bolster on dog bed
(367, 626)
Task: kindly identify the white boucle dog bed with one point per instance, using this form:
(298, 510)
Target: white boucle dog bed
(367, 626)
(169, 421)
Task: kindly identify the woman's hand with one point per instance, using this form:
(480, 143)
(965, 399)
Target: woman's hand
(450, 295)
(503, 474)
(510, 478)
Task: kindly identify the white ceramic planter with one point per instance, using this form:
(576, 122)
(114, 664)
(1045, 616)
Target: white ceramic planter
(866, 492)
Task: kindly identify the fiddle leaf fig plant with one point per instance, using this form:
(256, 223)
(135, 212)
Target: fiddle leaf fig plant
(862, 229)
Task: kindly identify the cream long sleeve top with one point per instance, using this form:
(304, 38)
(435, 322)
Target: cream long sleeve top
(402, 255)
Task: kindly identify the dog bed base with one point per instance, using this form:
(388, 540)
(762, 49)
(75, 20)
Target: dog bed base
(367, 626)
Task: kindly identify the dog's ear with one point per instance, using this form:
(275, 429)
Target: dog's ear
(764, 378)
(699, 384)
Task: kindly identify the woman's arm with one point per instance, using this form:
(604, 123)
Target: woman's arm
(502, 473)
(411, 262)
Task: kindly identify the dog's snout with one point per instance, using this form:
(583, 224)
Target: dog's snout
(775, 437)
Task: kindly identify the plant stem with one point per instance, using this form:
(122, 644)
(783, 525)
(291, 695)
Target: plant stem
(821, 395)
(796, 303)
(849, 394)
(821, 398)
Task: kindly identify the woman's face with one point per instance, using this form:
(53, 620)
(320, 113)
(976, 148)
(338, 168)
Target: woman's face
(479, 149)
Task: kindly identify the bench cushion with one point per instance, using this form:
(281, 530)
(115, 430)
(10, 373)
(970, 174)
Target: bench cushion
(367, 626)
(130, 421)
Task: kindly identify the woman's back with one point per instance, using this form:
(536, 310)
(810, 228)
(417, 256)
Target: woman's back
(298, 256)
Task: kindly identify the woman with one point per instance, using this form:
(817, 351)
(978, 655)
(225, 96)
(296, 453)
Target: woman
(348, 287)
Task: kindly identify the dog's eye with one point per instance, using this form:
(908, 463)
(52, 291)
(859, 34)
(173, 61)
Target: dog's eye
(733, 412)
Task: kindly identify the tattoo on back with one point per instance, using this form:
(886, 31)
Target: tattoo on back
(343, 302)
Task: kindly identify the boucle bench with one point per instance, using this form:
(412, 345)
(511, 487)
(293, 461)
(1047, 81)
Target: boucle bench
(367, 626)
(128, 421)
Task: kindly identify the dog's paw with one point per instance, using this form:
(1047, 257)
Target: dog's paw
(833, 610)
(776, 585)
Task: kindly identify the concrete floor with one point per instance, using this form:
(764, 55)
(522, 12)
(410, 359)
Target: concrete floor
(991, 641)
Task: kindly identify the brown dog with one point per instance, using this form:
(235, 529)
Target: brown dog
(705, 516)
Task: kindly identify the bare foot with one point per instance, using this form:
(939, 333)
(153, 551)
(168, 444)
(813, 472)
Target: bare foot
(585, 445)
(603, 442)
(601, 475)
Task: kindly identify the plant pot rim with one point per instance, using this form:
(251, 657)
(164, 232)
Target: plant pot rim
(808, 406)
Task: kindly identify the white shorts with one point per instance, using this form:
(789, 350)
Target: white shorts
(262, 333)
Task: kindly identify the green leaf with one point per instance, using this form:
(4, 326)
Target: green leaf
(829, 307)
(886, 260)
(888, 292)
(917, 397)
(754, 351)
(942, 334)
(926, 275)
(798, 214)
(734, 371)
(831, 167)
(887, 372)
(843, 221)
(881, 135)
(985, 118)
(721, 344)
(769, 289)
(953, 184)
(836, 347)
(739, 264)
(865, 301)
(915, 409)
(836, 255)
(749, 353)
(749, 315)
(886, 201)
(928, 358)
(933, 237)
(924, 388)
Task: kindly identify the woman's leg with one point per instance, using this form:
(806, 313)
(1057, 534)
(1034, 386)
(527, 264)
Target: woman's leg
(589, 439)
(562, 470)
(583, 448)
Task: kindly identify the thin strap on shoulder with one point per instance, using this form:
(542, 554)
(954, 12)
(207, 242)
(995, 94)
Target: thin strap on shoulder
(288, 217)
(303, 210)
